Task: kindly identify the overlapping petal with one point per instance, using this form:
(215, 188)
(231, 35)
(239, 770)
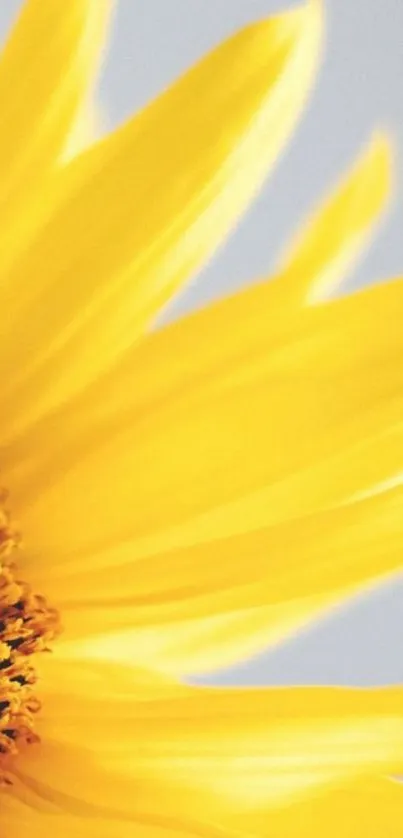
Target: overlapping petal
(358, 811)
(47, 68)
(218, 497)
(208, 755)
(22, 820)
(364, 809)
(132, 224)
(90, 126)
(198, 607)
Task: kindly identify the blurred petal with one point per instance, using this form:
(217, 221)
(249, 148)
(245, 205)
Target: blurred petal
(160, 194)
(331, 242)
(89, 127)
(59, 47)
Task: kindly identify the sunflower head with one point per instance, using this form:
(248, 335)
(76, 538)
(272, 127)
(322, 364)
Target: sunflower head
(27, 626)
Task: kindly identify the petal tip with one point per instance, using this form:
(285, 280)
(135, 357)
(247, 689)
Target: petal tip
(381, 157)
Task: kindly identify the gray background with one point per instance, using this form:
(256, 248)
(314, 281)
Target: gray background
(360, 88)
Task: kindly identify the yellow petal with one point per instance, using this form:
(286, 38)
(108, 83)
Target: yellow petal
(363, 810)
(212, 495)
(317, 260)
(64, 775)
(22, 821)
(27, 810)
(214, 753)
(140, 212)
(46, 68)
(230, 752)
(20, 818)
(186, 646)
(89, 127)
(264, 583)
(213, 433)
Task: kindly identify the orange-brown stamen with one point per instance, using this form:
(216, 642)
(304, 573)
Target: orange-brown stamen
(27, 625)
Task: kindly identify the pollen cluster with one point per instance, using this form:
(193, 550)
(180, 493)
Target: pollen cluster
(27, 625)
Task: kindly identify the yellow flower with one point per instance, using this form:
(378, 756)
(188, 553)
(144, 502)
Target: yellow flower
(176, 508)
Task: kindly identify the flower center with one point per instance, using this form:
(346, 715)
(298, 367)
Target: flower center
(27, 625)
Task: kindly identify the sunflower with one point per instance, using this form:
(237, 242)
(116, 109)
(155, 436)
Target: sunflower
(176, 511)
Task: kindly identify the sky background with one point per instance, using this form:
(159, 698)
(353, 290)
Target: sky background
(359, 90)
